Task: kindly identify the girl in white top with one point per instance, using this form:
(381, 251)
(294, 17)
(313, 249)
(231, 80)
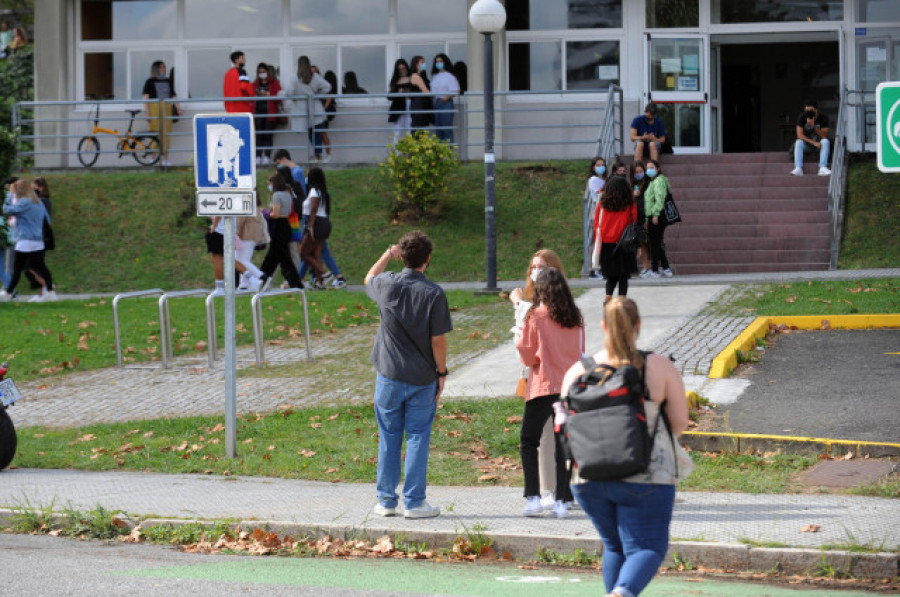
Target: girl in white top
(316, 210)
(596, 182)
(445, 86)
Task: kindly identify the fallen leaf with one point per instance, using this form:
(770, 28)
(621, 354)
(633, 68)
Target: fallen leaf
(811, 528)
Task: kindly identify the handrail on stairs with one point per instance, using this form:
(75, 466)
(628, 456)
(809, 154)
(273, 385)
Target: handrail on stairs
(837, 183)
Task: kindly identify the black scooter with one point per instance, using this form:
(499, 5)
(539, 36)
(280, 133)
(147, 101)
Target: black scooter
(9, 393)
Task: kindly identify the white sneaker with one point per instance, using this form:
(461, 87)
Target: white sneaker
(5, 297)
(338, 283)
(547, 500)
(653, 274)
(667, 273)
(645, 273)
(533, 506)
(50, 297)
(258, 160)
(384, 510)
(561, 509)
(245, 282)
(325, 158)
(255, 284)
(823, 171)
(36, 298)
(266, 161)
(797, 172)
(423, 511)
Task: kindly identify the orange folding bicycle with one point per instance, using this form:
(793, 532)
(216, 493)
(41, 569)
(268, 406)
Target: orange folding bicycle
(144, 147)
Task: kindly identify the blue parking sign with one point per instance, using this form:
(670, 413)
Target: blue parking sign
(224, 151)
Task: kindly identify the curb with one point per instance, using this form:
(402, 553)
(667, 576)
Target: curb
(523, 547)
(725, 362)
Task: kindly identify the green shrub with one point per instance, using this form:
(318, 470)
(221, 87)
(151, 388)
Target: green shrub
(17, 82)
(417, 168)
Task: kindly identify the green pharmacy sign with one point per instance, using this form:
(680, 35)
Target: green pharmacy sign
(887, 106)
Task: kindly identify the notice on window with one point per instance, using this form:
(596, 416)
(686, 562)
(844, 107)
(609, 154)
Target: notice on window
(691, 64)
(688, 83)
(608, 72)
(670, 82)
(670, 65)
(876, 54)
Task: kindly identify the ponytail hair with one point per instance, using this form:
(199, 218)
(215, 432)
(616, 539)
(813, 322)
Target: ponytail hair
(621, 317)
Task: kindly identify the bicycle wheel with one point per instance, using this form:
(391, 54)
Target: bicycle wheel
(88, 151)
(146, 150)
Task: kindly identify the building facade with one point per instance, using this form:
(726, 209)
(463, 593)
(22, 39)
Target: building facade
(731, 75)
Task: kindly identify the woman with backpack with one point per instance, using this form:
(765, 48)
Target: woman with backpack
(552, 339)
(279, 253)
(633, 514)
(617, 210)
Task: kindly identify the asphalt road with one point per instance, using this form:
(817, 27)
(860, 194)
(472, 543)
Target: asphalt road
(41, 565)
(840, 384)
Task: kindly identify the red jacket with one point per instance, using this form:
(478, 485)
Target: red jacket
(612, 223)
(274, 104)
(233, 87)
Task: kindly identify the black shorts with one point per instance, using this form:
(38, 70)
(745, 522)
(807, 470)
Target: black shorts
(215, 243)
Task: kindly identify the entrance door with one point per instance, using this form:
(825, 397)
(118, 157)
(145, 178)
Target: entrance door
(679, 84)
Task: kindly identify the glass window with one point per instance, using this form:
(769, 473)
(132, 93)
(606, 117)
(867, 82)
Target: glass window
(339, 17)
(367, 62)
(875, 11)
(592, 64)
(415, 16)
(535, 66)
(256, 55)
(684, 124)
(323, 57)
(676, 64)
(138, 19)
(779, 11)
(206, 72)
(429, 51)
(539, 15)
(105, 75)
(663, 14)
(229, 19)
(140, 68)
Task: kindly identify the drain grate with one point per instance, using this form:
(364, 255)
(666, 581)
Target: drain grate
(847, 473)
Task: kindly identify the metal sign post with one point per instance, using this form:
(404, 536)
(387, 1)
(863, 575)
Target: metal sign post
(887, 108)
(225, 175)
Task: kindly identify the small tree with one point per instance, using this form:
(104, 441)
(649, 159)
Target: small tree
(17, 82)
(417, 168)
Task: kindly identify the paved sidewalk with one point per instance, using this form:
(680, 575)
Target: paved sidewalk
(712, 529)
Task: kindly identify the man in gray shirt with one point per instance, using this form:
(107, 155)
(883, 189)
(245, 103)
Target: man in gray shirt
(410, 358)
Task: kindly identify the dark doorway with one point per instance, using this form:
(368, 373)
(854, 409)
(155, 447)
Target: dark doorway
(764, 87)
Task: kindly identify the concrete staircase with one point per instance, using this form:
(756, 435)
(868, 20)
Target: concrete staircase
(744, 212)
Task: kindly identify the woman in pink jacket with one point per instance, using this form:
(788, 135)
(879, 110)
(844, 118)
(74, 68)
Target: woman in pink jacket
(551, 342)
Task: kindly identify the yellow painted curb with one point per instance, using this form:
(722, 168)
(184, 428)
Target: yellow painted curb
(726, 361)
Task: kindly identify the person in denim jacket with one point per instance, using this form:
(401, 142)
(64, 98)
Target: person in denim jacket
(30, 214)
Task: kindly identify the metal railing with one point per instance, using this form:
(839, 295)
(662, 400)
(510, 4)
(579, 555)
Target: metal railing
(530, 126)
(258, 330)
(212, 335)
(115, 308)
(165, 321)
(610, 145)
(837, 182)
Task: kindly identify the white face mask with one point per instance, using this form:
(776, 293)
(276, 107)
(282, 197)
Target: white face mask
(270, 188)
(535, 272)
(263, 76)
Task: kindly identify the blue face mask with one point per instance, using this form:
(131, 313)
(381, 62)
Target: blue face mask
(639, 176)
(439, 65)
(600, 170)
(423, 67)
(651, 172)
(270, 188)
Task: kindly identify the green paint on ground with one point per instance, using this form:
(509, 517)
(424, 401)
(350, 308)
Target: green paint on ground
(442, 578)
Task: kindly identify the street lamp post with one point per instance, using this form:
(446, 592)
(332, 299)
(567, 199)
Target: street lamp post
(488, 17)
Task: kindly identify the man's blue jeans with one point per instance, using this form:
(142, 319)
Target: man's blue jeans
(403, 407)
(800, 147)
(633, 521)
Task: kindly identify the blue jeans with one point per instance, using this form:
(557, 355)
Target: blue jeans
(443, 120)
(800, 147)
(633, 521)
(327, 259)
(4, 276)
(403, 407)
(315, 137)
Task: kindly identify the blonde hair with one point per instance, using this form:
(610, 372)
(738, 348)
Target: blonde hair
(552, 260)
(621, 317)
(24, 190)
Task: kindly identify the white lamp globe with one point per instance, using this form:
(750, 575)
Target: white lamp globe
(487, 16)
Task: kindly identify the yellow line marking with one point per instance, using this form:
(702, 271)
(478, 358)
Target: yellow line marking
(726, 361)
(789, 438)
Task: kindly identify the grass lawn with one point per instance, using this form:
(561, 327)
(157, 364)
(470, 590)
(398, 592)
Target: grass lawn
(872, 219)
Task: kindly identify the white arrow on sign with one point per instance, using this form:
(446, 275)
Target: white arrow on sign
(223, 203)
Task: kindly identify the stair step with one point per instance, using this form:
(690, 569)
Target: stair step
(728, 259)
(729, 245)
(810, 171)
(770, 195)
(741, 180)
(760, 231)
(692, 216)
(767, 157)
(740, 268)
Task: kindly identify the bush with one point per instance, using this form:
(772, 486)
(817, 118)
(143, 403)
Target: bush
(17, 82)
(417, 168)
(7, 152)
